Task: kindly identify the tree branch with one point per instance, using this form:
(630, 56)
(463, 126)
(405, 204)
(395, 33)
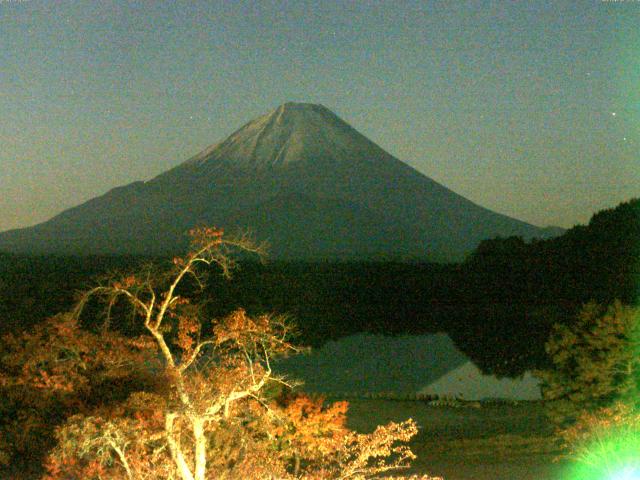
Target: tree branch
(186, 364)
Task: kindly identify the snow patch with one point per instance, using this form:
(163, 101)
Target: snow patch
(292, 132)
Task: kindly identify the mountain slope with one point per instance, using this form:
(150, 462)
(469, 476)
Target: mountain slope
(299, 177)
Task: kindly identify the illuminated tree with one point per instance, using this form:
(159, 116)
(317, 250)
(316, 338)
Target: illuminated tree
(592, 391)
(595, 362)
(185, 400)
(57, 370)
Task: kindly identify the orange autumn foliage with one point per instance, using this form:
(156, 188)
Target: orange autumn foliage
(59, 369)
(180, 402)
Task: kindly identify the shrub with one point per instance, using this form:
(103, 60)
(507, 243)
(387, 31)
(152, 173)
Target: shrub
(595, 362)
(604, 443)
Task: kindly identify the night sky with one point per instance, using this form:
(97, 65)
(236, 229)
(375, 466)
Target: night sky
(529, 108)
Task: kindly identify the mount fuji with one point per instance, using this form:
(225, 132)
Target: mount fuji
(298, 177)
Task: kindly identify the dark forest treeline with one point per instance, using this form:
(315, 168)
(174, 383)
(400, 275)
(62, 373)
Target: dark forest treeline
(498, 306)
(33, 288)
(519, 290)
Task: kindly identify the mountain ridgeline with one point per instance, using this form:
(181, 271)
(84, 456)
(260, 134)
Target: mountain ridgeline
(300, 178)
(498, 306)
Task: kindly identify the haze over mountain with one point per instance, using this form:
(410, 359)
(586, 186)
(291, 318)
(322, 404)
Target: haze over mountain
(300, 178)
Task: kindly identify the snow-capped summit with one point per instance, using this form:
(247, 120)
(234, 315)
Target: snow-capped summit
(299, 177)
(292, 132)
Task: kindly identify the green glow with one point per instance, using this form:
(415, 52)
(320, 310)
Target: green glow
(628, 473)
(616, 457)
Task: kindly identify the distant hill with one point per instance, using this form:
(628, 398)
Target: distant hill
(518, 290)
(599, 261)
(300, 178)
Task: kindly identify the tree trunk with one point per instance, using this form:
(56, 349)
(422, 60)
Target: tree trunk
(176, 452)
(200, 449)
